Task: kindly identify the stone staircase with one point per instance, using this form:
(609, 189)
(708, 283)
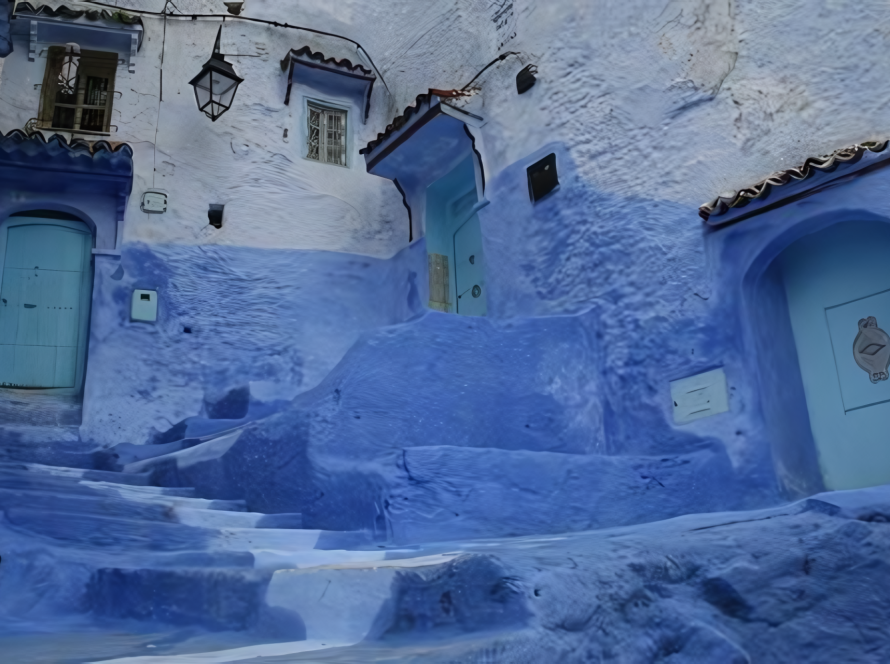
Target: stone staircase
(86, 546)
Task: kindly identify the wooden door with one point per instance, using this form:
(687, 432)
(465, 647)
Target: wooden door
(43, 304)
(834, 279)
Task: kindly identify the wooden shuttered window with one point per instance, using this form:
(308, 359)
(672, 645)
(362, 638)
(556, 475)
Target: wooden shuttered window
(78, 90)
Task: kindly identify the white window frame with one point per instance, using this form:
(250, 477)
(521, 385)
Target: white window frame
(326, 104)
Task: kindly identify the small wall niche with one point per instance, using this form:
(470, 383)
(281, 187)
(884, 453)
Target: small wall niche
(542, 178)
(215, 215)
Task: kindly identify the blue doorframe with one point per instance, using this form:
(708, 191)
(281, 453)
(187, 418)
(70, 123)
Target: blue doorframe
(453, 231)
(834, 279)
(750, 300)
(77, 287)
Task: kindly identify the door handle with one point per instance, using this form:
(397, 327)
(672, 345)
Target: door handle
(30, 306)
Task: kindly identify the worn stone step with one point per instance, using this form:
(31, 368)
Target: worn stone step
(94, 503)
(18, 493)
(61, 483)
(134, 479)
(53, 445)
(231, 519)
(172, 497)
(127, 490)
(215, 599)
(104, 532)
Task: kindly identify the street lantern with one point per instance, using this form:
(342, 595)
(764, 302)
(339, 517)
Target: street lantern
(216, 85)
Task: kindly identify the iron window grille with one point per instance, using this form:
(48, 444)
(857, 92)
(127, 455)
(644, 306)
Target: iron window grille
(78, 90)
(327, 135)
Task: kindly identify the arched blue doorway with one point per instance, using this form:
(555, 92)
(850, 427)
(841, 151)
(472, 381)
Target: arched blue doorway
(454, 243)
(45, 289)
(834, 279)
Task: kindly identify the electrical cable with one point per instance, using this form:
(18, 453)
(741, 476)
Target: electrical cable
(500, 58)
(225, 17)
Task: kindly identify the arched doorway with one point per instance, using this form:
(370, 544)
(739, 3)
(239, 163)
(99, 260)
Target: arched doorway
(454, 243)
(45, 286)
(837, 282)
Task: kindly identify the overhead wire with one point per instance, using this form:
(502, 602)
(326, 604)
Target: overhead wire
(249, 19)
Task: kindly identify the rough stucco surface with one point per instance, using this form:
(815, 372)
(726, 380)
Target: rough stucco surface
(551, 415)
(166, 575)
(653, 108)
(300, 312)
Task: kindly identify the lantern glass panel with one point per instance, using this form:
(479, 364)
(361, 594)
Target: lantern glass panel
(228, 96)
(202, 90)
(222, 84)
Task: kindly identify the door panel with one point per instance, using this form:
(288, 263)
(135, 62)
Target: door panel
(10, 303)
(45, 247)
(7, 359)
(42, 305)
(832, 279)
(857, 390)
(470, 269)
(35, 366)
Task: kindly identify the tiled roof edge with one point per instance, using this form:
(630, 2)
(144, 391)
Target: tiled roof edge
(345, 64)
(724, 203)
(17, 137)
(63, 11)
(400, 120)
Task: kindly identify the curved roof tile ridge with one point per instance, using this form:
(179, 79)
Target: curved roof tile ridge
(64, 11)
(400, 120)
(726, 202)
(320, 57)
(17, 139)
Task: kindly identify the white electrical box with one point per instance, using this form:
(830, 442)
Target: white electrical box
(699, 396)
(154, 202)
(144, 306)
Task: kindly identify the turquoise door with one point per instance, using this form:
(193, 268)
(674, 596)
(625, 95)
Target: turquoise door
(469, 263)
(833, 280)
(454, 243)
(44, 302)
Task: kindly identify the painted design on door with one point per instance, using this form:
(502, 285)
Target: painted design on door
(871, 349)
(41, 304)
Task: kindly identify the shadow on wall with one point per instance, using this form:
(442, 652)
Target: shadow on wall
(237, 327)
(448, 427)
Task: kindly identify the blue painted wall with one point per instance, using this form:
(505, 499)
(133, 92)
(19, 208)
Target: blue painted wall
(553, 413)
(5, 41)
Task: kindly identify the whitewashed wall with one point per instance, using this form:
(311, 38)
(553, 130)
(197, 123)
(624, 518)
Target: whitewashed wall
(654, 107)
(273, 196)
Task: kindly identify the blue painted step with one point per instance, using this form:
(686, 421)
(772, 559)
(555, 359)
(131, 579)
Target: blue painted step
(95, 531)
(133, 479)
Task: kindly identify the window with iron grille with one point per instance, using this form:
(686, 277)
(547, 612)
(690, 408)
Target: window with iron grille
(78, 89)
(327, 135)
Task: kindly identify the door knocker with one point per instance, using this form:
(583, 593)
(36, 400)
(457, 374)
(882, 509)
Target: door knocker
(871, 349)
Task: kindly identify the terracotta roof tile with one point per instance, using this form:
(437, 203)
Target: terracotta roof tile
(730, 201)
(63, 11)
(400, 120)
(343, 64)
